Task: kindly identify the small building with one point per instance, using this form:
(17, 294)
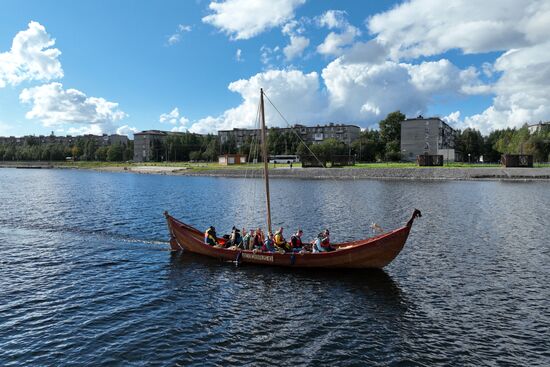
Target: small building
(431, 136)
(231, 159)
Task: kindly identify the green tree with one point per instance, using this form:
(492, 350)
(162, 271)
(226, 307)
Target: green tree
(470, 143)
(114, 152)
(101, 154)
(390, 134)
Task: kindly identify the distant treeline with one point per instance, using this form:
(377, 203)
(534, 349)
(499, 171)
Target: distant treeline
(372, 146)
(84, 148)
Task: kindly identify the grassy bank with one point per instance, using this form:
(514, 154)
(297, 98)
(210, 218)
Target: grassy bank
(215, 166)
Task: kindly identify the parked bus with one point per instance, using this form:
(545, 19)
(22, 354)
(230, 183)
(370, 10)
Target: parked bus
(284, 159)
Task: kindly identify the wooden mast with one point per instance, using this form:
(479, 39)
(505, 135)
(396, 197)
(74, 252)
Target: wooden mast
(264, 156)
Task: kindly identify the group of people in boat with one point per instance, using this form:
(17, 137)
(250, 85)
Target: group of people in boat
(256, 240)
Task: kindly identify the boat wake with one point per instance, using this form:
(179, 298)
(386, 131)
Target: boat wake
(101, 234)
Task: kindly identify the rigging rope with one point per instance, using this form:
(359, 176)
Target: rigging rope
(292, 129)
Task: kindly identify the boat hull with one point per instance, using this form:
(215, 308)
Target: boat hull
(375, 252)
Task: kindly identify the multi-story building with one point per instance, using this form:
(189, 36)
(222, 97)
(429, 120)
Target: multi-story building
(100, 140)
(149, 145)
(309, 134)
(541, 126)
(427, 136)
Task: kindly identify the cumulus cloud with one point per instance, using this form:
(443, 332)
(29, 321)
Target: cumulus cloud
(361, 93)
(444, 77)
(367, 92)
(244, 19)
(453, 118)
(424, 27)
(522, 92)
(336, 41)
(31, 57)
(371, 52)
(296, 47)
(294, 92)
(54, 105)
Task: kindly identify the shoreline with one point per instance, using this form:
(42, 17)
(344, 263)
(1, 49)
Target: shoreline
(345, 173)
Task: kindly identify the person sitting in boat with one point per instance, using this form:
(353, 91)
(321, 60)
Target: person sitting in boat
(296, 241)
(258, 240)
(322, 243)
(269, 243)
(280, 241)
(235, 239)
(248, 239)
(210, 236)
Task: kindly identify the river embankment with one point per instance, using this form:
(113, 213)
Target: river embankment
(419, 173)
(345, 173)
(427, 173)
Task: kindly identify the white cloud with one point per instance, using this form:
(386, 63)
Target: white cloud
(176, 37)
(520, 29)
(126, 130)
(333, 19)
(174, 118)
(184, 28)
(453, 118)
(365, 93)
(359, 93)
(54, 105)
(244, 19)
(267, 55)
(296, 94)
(238, 55)
(31, 57)
(336, 41)
(424, 27)
(171, 117)
(296, 47)
(522, 92)
(94, 129)
(444, 77)
(294, 27)
(371, 52)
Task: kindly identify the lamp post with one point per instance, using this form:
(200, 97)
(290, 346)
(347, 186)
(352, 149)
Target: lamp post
(469, 158)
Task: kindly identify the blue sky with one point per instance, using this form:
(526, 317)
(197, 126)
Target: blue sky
(197, 65)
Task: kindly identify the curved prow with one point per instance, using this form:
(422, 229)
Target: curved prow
(416, 214)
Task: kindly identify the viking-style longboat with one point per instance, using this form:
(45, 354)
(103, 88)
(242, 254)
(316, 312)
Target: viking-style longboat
(374, 252)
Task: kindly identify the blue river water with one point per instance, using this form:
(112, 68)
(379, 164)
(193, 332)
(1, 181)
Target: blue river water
(87, 278)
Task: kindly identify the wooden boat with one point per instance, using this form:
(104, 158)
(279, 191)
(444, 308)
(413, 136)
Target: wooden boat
(375, 252)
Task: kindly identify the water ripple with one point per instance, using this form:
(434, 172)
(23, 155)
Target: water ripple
(86, 277)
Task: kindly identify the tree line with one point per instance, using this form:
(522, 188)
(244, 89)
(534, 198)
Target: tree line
(373, 145)
(83, 148)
